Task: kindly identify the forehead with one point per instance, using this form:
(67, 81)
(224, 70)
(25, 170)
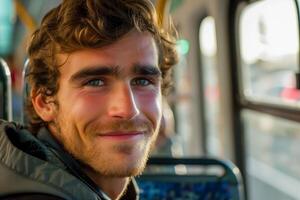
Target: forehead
(135, 48)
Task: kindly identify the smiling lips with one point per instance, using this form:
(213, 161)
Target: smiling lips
(121, 135)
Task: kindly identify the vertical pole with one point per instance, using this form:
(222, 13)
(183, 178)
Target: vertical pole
(25, 91)
(6, 92)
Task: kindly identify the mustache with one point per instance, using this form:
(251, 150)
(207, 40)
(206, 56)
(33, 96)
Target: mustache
(119, 125)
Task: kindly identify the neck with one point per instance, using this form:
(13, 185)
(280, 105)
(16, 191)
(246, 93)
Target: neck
(114, 187)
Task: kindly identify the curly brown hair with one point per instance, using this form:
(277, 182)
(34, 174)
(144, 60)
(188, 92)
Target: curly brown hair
(79, 24)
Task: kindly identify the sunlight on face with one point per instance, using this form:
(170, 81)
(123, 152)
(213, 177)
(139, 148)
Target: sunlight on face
(110, 105)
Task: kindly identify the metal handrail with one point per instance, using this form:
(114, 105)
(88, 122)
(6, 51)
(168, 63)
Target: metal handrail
(6, 87)
(25, 91)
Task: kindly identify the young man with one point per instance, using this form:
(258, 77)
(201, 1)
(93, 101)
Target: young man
(97, 72)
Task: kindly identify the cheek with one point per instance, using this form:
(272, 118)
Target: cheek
(85, 107)
(150, 106)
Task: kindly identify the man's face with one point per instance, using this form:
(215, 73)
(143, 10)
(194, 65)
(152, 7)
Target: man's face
(109, 104)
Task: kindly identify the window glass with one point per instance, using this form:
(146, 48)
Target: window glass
(269, 45)
(272, 156)
(7, 18)
(182, 102)
(208, 49)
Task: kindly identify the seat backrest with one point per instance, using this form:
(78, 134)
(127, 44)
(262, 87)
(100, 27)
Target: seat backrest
(5, 91)
(190, 178)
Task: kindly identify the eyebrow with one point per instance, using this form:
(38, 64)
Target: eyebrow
(145, 70)
(94, 71)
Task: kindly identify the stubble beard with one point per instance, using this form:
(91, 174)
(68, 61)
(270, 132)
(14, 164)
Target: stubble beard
(95, 159)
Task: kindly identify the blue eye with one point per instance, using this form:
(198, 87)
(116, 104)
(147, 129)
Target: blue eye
(95, 82)
(141, 82)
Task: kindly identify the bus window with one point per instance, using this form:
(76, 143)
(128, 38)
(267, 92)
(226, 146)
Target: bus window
(269, 51)
(208, 50)
(7, 19)
(182, 101)
(269, 47)
(272, 156)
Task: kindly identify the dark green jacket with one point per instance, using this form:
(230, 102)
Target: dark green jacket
(38, 165)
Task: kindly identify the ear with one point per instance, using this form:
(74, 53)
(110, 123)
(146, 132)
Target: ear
(45, 109)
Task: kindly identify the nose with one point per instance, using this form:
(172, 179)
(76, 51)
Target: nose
(122, 103)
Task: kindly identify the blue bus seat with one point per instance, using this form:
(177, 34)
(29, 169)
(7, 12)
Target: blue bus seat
(5, 92)
(203, 179)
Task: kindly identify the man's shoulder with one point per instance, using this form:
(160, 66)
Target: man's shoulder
(5, 124)
(19, 137)
(28, 165)
(12, 129)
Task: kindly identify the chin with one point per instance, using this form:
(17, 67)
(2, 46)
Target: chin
(124, 165)
(120, 161)
(130, 168)
(122, 170)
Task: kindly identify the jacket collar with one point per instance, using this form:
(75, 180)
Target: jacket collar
(23, 154)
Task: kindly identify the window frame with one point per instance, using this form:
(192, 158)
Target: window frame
(283, 110)
(239, 102)
(202, 85)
